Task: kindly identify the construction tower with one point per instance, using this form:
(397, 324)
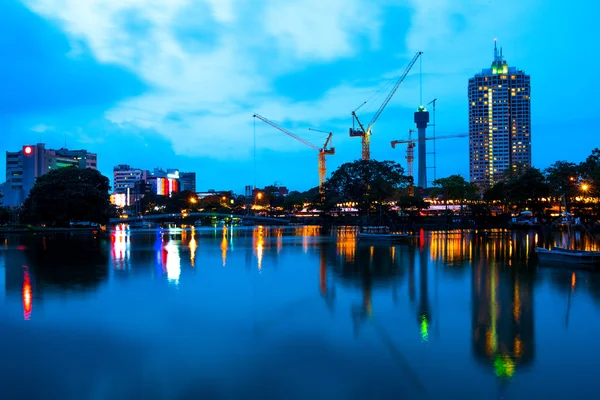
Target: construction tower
(410, 159)
(422, 119)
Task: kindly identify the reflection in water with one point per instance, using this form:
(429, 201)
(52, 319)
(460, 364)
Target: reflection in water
(224, 246)
(120, 249)
(258, 245)
(193, 246)
(328, 293)
(452, 247)
(346, 244)
(498, 324)
(503, 327)
(26, 294)
(424, 316)
(173, 262)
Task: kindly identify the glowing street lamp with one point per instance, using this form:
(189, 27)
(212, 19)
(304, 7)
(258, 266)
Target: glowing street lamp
(585, 187)
(260, 195)
(193, 200)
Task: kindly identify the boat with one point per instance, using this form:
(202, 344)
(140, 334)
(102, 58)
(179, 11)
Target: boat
(383, 236)
(564, 255)
(381, 233)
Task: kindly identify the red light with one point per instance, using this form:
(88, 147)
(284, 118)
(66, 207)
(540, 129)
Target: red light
(28, 150)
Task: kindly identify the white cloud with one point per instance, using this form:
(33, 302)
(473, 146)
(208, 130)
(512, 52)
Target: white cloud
(216, 85)
(205, 87)
(41, 128)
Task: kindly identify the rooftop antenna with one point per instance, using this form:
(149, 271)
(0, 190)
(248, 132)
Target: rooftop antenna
(495, 50)
(421, 81)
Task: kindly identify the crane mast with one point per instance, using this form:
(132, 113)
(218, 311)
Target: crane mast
(365, 134)
(323, 151)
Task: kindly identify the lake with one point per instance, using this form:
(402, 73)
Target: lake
(291, 313)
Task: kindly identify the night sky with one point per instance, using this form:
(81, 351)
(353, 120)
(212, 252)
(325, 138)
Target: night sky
(174, 84)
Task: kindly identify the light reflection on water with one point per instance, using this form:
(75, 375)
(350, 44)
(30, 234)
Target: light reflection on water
(460, 313)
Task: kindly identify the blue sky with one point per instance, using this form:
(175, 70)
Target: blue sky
(174, 83)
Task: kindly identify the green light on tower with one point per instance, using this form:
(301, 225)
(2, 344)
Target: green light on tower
(504, 366)
(424, 328)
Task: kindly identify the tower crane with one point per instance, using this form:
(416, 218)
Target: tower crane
(323, 151)
(365, 134)
(410, 152)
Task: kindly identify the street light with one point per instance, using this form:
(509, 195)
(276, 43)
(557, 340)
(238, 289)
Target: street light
(193, 200)
(585, 187)
(260, 195)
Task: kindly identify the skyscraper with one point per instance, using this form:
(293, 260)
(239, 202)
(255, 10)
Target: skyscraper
(23, 167)
(188, 181)
(499, 121)
(126, 182)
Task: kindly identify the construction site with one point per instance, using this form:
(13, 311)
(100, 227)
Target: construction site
(421, 119)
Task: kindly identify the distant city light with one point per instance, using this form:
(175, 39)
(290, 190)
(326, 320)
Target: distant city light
(28, 150)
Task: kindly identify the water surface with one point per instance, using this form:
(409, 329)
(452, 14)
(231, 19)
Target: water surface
(289, 313)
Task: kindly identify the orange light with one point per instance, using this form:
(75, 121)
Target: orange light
(28, 150)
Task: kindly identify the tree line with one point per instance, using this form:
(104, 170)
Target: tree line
(370, 186)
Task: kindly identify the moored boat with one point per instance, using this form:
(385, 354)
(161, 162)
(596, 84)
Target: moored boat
(380, 233)
(383, 236)
(573, 256)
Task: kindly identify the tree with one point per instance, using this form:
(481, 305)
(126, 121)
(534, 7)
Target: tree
(590, 170)
(180, 201)
(527, 189)
(294, 201)
(364, 182)
(454, 187)
(69, 194)
(564, 179)
(411, 203)
(152, 203)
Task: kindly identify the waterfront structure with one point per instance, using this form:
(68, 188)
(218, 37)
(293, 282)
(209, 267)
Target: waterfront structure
(125, 182)
(187, 181)
(422, 119)
(164, 183)
(499, 121)
(23, 167)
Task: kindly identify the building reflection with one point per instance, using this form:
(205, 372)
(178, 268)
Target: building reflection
(120, 240)
(26, 294)
(424, 312)
(258, 243)
(193, 246)
(367, 267)
(502, 316)
(224, 246)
